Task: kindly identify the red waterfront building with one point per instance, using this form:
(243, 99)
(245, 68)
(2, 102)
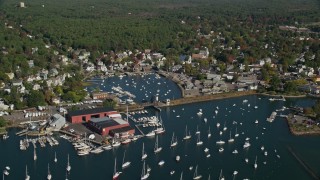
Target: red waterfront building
(80, 116)
(111, 126)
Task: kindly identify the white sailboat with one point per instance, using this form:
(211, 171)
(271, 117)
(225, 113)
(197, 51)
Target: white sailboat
(34, 154)
(199, 142)
(144, 155)
(187, 136)
(49, 176)
(145, 174)
(224, 127)
(55, 157)
(181, 176)
(197, 132)
(221, 177)
(115, 173)
(230, 139)
(209, 132)
(195, 175)
(157, 149)
(68, 165)
(236, 133)
(27, 176)
(161, 129)
(125, 164)
(255, 164)
(174, 141)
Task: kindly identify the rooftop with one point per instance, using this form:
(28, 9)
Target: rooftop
(90, 111)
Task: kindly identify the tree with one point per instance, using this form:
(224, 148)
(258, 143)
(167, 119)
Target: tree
(3, 122)
(35, 98)
(109, 103)
(274, 83)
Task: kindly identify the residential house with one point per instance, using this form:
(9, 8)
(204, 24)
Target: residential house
(53, 72)
(36, 87)
(31, 63)
(17, 82)
(10, 75)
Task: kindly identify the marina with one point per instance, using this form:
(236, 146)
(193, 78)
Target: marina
(186, 141)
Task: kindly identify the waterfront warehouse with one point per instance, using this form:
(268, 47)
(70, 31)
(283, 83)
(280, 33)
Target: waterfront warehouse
(111, 126)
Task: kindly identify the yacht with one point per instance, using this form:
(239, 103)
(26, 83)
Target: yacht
(200, 112)
(172, 172)
(205, 120)
(221, 149)
(125, 164)
(218, 125)
(256, 122)
(206, 150)
(161, 163)
(150, 134)
(235, 151)
(220, 142)
(246, 160)
(266, 153)
(246, 145)
(177, 158)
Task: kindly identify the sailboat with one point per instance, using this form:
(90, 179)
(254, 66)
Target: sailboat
(34, 154)
(236, 134)
(197, 132)
(68, 165)
(195, 175)
(49, 174)
(230, 139)
(145, 174)
(224, 127)
(55, 157)
(174, 141)
(255, 164)
(199, 142)
(27, 176)
(66, 175)
(209, 133)
(144, 155)
(221, 177)
(125, 164)
(157, 149)
(188, 136)
(161, 129)
(115, 173)
(181, 176)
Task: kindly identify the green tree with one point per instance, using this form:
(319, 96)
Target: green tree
(35, 98)
(109, 103)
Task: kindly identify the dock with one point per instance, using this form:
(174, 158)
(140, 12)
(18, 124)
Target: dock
(22, 132)
(139, 129)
